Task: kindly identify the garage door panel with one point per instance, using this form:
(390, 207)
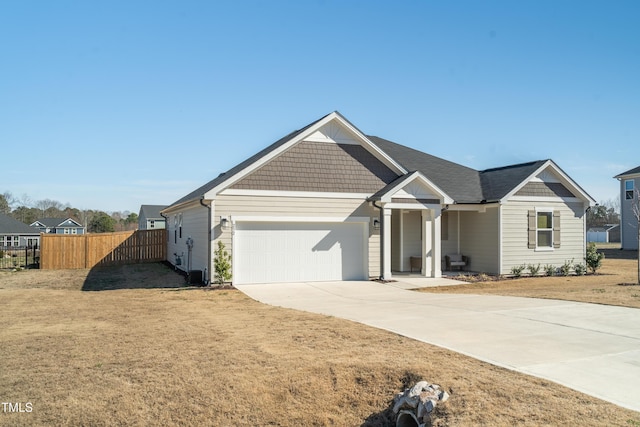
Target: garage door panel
(267, 252)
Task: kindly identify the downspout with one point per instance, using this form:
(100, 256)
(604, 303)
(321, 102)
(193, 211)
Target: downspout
(381, 216)
(166, 229)
(205, 279)
(584, 226)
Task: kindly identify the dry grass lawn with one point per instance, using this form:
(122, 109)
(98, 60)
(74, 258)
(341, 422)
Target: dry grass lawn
(146, 351)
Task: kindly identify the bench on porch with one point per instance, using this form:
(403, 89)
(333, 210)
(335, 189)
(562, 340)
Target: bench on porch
(415, 262)
(456, 260)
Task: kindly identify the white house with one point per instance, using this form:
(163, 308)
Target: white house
(328, 202)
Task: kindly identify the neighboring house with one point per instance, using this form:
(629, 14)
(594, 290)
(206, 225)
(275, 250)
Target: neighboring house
(629, 183)
(59, 226)
(328, 202)
(14, 233)
(149, 217)
(609, 233)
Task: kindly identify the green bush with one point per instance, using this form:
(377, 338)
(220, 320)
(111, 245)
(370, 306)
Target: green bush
(550, 270)
(533, 269)
(222, 264)
(516, 270)
(593, 258)
(565, 269)
(580, 269)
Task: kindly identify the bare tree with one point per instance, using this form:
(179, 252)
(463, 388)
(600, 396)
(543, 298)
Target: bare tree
(6, 200)
(49, 207)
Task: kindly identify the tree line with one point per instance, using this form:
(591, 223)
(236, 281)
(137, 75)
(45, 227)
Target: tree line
(604, 213)
(26, 210)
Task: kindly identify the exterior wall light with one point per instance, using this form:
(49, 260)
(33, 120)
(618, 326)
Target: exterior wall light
(376, 224)
(224, 223)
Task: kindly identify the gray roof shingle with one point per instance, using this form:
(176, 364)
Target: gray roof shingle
(459, 182)
(629, 172)
(498, 182)
(201, 191)
(151, 211)
(463, 184)
(10, 225)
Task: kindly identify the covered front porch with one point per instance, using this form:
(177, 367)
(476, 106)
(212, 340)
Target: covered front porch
(410, 226)
(410, 237)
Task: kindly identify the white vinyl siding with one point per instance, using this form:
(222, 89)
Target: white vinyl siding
(450, 245)
(231, 206)
(412, 237)
(480, 239)
(515, 231)
(195, 221)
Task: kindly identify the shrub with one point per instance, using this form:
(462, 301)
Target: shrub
(222, 264)
(549, 270)
(580, 269)
(516, 270)
(533, 269)
(565, 269)
(593, 258)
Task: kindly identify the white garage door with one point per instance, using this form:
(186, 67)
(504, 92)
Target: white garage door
(268, 252)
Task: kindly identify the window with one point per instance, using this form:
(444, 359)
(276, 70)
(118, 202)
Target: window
(544, 230)
(9, 240)
(628, 189)
(152, 224)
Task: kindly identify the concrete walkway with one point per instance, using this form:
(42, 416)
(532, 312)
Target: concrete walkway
(592, 348)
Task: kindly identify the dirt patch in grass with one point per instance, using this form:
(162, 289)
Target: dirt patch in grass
(186, 356)
(614, 284)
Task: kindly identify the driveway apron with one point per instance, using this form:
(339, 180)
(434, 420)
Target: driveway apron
(592, 348)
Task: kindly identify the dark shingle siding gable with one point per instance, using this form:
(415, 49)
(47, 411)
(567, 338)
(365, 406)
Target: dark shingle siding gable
(317, 166)
(201, 191)
(544, 189)
(498, 182)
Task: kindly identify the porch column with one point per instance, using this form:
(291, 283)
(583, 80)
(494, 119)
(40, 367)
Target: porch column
(386, 243)
(427, 244)
(436, 243)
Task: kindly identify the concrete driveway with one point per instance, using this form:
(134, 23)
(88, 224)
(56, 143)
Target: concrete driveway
(592, 348)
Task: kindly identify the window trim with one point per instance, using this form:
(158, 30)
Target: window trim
(629, 192)
(532, 229)
(546, 230)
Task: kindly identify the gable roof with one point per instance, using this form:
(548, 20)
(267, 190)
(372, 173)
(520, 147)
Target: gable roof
(152, 211)
(498, 182)
(633, 171)
(199, 192)
(56, 222)
(388, 190)
(10, 225)
(457, 182)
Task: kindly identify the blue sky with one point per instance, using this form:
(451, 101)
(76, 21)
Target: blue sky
(110, 105)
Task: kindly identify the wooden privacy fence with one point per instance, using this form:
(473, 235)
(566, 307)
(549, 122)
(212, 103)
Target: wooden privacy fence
(59, 251)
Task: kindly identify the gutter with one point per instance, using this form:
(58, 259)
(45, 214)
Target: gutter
(205, 279)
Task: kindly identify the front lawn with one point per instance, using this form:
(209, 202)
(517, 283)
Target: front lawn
(148, 351)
